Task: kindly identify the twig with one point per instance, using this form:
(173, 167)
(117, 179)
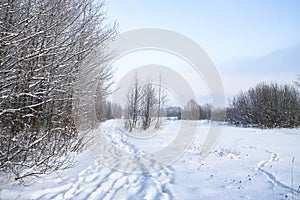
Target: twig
(292, 177)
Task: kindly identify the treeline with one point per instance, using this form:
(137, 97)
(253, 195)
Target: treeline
(42, 44)
(193, 111)
(105, 110)
(266, 106)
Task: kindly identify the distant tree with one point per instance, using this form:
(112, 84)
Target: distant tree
(191, 110)
(117, 111)
(205, 111)
(266, 106)
(161, 102)
(147, 105)
(134, 98)
(218, 114)
(107, 110)
(174, 111)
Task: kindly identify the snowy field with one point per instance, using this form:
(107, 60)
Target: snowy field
(247, 163)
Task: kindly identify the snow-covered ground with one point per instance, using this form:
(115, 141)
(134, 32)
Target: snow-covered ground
(247, 163)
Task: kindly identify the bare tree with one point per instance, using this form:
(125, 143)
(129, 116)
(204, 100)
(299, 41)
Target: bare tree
(161, 102)
(147, 106)
(42, 44)
(205, 111)
(191, 110)
(143, 103)
(134, 98)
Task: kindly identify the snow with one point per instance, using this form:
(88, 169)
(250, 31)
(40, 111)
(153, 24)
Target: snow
(247, 163)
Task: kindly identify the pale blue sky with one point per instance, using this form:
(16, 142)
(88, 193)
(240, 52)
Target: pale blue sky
(227, 30)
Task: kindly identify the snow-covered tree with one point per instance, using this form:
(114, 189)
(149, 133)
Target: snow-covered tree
(42, 44)
(266, 106)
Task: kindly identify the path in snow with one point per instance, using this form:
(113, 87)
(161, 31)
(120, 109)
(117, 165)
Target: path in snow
(96, 181)
(99, 182)
(272, 178)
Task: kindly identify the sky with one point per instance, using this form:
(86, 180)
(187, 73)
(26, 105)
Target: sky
(227, 30)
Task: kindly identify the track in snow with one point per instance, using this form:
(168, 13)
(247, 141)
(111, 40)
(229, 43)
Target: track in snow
(100, 182)
(272, 178)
